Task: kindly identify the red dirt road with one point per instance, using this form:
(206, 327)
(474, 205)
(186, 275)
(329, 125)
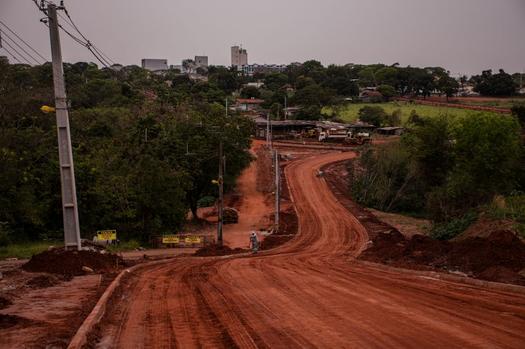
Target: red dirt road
(309, 292)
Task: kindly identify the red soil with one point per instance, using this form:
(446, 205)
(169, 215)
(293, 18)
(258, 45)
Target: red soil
(500, 257)
(60, 261)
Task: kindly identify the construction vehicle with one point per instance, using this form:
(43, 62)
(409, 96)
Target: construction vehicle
(358, 138)
(334, 135)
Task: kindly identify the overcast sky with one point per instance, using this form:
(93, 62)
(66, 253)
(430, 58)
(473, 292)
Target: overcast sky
(464, 36)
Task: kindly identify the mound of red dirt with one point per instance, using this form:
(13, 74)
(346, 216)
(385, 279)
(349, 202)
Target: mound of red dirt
(7, 320)
(288, 223)
(70, 263)
(217, 250)
(273, 241)
(43, 281)
(4, 302)
(500, 257)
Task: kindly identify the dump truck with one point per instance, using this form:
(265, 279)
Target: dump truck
(358, 138)
(334, 135)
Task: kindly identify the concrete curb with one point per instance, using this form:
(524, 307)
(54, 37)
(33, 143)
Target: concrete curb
(442, 276)
(80, 337)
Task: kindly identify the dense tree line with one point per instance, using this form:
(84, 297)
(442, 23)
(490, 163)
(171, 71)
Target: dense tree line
(443, 168)
(312, 86)
(145, 148)
(489, 84)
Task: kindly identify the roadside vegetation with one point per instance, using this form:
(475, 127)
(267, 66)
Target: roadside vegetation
(26, 249)
(446, 169)
(145, 152)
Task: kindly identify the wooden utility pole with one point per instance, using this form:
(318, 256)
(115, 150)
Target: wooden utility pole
(221, 196)
(67, 170)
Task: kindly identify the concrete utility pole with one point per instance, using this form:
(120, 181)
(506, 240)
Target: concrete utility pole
(67, 170)
(268, 129)
(221, 196)
(277, 188)
(285, 107)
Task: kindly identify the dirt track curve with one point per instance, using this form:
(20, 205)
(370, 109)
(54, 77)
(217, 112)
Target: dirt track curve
(309, 293)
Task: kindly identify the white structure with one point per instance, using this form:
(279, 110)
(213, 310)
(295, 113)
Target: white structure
(155, 64)
(239, 57)
(250, 69)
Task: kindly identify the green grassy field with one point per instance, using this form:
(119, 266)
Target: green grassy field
(349, 112)
(26, 250)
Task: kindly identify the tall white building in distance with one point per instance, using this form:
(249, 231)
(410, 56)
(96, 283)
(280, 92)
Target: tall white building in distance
(239, 57)
(152, 64)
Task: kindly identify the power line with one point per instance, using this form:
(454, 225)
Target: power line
(20, 47)
(15, 34)
(18, 53)
(11, 55)
(100, 53)
(97, 53)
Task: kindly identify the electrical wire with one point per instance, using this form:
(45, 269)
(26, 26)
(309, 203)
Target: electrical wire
(70, 23)
(27, 54)
(84, 41)
(11, 55)
(19, 38)
(96, 49)
(18, 53)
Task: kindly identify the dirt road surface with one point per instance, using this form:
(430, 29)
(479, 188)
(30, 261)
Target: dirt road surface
(308, 293)
(254, 210)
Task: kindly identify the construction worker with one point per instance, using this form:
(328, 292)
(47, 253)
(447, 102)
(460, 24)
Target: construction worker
(254, 242)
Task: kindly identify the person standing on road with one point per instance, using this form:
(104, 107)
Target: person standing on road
(254, 242)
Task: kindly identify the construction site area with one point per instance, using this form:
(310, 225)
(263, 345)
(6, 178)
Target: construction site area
(330, 266)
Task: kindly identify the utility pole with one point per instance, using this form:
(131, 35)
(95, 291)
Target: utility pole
(268, 129)
(277, 188)
(221, 196)
(285, 107)
(67, 170)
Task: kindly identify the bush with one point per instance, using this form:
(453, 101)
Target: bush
(384, 179)
(206, 201)
(511, 207)
(454, 227)
(4, 234)
(372, 115)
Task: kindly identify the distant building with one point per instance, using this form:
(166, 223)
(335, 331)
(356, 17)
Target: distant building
(370, 96)
(248, 104)
(201, 61)
(152, 64)
(390, 131)
(239, 57)
(252, 69)
(257, 84)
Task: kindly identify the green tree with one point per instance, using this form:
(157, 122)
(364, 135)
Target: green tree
(489, 84)
(387, 91)
(373, 115)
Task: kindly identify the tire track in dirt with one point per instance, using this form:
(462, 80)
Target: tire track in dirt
(311, 292)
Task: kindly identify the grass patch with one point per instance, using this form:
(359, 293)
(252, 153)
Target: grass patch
(511, 207)
(452, 228)
(349, 112)
(27, 249)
